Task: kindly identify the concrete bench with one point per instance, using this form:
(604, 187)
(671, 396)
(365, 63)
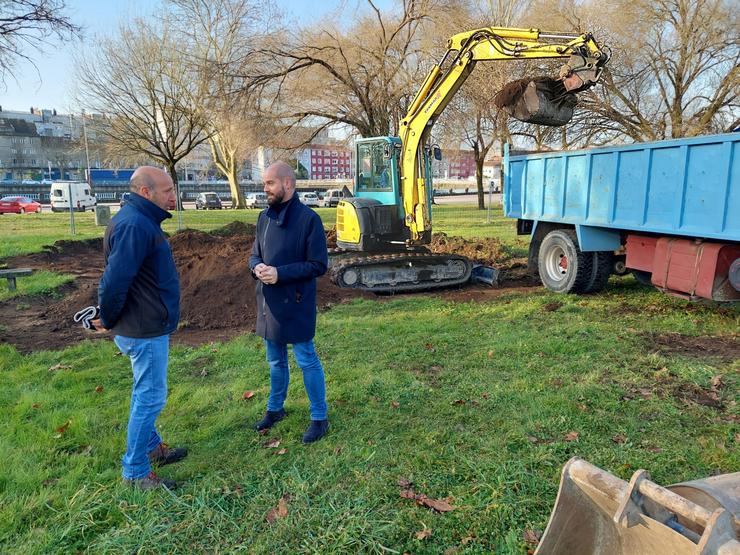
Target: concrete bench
(11, 273)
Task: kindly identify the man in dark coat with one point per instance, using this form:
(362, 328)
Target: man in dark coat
(289, 253)
(139, 298)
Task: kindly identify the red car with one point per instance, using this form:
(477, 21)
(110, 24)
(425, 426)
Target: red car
(18, 205)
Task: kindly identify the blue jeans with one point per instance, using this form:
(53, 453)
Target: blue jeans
(313, 376)
(148, 397)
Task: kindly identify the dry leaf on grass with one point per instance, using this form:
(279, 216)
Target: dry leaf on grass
(439, 505)
(281, 451)
(429, 347)
(571, 436)
(60, 366)
(99, 389)
(35, 406)
(272, 444)
(619, 438)
(404, 483)
(395, 404)
(423, 534)
(337, 450)
(281, 511)
(532, 537)
(247, 395)
(62, 429)
(717, 382)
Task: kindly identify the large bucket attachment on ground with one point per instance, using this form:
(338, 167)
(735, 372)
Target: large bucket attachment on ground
(597, 513)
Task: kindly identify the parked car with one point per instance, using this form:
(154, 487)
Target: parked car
(124, 198)
(255, 200)
(309, 199)
(208, 200)
(18, 205)
(331, 198)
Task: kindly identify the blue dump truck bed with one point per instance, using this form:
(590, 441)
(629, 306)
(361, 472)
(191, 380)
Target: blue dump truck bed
(685, 187)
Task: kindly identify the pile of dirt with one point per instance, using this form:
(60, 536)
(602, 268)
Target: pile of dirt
(490, 251)
(217, 290)
(217, 298)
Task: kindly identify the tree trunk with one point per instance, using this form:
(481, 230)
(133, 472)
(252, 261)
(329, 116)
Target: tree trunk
(170, 167)
(237, 196)
(479, 180)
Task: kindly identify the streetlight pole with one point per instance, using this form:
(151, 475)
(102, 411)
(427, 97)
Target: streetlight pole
(87, 151)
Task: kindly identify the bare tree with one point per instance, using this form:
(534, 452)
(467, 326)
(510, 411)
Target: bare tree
(218, 36)
(362, 77)
(31, 24)
(139, 80)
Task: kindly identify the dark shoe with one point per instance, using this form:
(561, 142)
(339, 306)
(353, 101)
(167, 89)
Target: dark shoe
(271, 418)
(316, 431)
(164, 454)
(150, 481)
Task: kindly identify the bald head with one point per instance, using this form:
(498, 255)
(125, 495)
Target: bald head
(278, 183)
(155, 185)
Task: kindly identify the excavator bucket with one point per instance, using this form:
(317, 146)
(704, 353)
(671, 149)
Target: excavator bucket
(597, 513)
(542, 101)
(548, 101)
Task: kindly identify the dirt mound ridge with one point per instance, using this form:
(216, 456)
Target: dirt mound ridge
(217, 290)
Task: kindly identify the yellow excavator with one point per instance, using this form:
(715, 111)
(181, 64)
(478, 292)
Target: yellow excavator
(382, 229)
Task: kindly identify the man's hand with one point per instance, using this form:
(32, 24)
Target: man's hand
(266, 274)
(98, 326)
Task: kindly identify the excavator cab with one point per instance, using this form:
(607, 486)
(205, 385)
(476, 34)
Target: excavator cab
(372, 219)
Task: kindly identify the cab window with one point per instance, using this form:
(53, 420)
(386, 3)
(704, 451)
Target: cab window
(374, 169)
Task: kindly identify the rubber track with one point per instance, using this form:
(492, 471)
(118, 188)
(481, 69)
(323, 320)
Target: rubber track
(401, 258)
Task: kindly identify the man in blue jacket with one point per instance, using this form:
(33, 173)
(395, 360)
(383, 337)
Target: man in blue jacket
(139, 298)
(289, 253)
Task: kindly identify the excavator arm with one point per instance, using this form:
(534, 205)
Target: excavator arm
(586, 61)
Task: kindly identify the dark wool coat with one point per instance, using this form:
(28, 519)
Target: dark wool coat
(293, 241)
(139, 293)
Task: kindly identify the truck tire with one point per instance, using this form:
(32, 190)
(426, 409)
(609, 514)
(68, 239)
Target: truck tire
(603, 266)
(562, 266)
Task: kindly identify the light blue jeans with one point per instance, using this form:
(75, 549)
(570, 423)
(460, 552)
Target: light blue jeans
(148, 397)
(313, 376)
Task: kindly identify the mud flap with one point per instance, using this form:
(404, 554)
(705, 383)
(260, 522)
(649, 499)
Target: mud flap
(597, 513)
(541, 101)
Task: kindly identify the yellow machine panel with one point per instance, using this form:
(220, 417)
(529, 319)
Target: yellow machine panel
(348, 226)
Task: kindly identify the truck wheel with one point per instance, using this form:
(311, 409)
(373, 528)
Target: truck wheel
(642, 277)
(562, 266)
(603, 265)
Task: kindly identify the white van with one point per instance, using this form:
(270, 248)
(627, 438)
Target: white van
(81, 198)
(331, 198)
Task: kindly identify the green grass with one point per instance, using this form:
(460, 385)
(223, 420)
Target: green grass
(38, 283)
(468, 401)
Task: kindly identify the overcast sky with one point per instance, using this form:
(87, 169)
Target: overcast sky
(50, 86)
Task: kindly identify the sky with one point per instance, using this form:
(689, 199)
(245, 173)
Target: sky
(50, 84)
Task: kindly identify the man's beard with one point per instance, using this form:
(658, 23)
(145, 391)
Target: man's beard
(276, 199)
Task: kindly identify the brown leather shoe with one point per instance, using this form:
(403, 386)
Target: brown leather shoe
(164, 454)
(150, 481)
